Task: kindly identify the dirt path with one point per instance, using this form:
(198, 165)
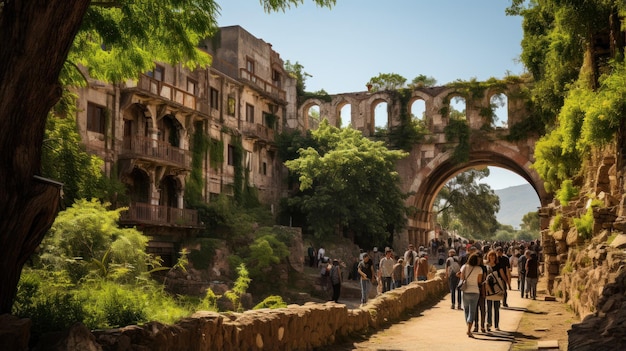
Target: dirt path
(437, 327)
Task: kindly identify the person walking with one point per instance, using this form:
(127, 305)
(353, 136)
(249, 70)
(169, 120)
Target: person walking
(410, 256)
(366, 270)
(386, 269)
(504, 271)
(421, 267)
(397, 275)
(532, 275)
(335, 280)
(493, 306)
(473, 275)
(480, 310)
(521, 278)
(452, 269)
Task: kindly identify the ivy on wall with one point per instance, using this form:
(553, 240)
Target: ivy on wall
(216, 153)
(195, 184)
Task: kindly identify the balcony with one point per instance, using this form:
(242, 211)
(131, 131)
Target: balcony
(258, 131)
(170, 92)
(267, 87)
(142, 213)
(144, 147)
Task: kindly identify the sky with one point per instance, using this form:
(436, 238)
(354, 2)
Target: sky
(343, 47)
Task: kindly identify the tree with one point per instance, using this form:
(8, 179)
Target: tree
(471, 203)
(423, 81)
(36, 41)
(349, 184)
(386, 81)
(296, 70)
(530, 222)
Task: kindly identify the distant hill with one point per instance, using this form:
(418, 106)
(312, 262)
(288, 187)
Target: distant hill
(515, 202)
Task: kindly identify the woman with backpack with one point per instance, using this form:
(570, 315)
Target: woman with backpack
(452, 268)
(493, 306)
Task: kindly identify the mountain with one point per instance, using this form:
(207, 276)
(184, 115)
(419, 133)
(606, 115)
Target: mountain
(515, 202)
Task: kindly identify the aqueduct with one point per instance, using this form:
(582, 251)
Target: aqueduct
(430, 164)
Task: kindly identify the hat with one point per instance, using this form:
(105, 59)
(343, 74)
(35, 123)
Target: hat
(453, 251)
(400, 260)
(375, 249)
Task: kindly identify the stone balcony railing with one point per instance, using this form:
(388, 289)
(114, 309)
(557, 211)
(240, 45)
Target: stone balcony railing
(264, 85)
(144, 147)
(169, 92)
(142, 213)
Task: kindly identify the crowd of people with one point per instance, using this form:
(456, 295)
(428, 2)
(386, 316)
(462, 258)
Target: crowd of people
(481, 277)
(485, 268)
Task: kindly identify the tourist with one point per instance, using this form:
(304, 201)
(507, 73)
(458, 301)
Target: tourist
(335, 279)
(421, 267)
(521, 277)
(398, 273)
(320, 255)
(311, 253)
(532, 275)
(366, 271)
(493, 306)
(473, 275)
(410, 256)
(480, 308)
(504, 271)
(452, 269)
(386, 269)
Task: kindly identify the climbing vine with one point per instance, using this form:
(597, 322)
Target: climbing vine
(410, 131)
(216, 153)
(458, 130)
(195, 184)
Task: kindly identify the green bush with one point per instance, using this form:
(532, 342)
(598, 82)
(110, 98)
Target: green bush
(201, 259)
(567, 192)
(584, 224)
(272, 301)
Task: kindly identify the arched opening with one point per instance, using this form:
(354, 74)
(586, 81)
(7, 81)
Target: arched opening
(500, 107)
(169, 196)
(169, 130)
(138, 185)
(458, 107)
(313, 116)
(381, 116)
(345, 116)
(418, 109)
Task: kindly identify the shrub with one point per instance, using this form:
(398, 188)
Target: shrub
(584, 224)
(272, 301)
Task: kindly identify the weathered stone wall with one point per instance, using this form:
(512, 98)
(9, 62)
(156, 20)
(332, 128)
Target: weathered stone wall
(297, 327)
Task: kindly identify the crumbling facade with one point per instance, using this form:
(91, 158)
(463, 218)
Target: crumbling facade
(145, 129)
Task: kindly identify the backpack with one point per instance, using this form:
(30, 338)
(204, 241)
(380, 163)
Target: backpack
(454, 266)
(493, 287)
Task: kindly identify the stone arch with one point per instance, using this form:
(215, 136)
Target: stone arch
(417, 108)
(170, 130)
(370, 117)
(499, 103)
(171, 188)
(139, 185)
(430, 179)
(344, 114)
(310, 124)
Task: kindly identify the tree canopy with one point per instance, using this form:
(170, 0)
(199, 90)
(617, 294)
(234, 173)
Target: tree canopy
(471, 204)
(349, 184)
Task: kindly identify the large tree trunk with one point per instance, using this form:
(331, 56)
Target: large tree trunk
(35, 36)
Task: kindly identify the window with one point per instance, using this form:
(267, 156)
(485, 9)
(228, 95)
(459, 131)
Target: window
(192, 86)
(264, 168)
(215, 99)
(95, 118)
(249, 113)
(276, 78)
(158, 73)
(231, 155)
(250, 65)
(231, 106)
(269, 120)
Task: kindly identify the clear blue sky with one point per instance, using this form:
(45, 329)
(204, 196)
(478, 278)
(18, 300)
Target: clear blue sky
(342, 48)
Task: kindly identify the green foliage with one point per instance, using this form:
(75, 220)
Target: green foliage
(423, 81)
(269, 248)
(348, 183)
(530, 221)
(409, 132)
(458, 131)
(272, 301)
(296, 70)
(584, 224)
(195, 182)
(469, 203)
(87, 234)
(216, 153)
(209, 301)
(387, 81)
(556, 223)
(201, 259)
(553, 162)
(240, 287)
(567, 192)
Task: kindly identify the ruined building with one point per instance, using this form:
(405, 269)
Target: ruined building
(144, 130)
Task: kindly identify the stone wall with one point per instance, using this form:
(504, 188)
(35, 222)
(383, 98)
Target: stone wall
(297, 327)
